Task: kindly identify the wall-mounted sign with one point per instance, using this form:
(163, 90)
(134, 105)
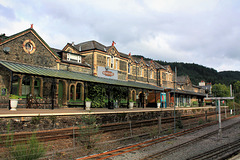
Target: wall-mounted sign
(163, 97)
(4, 92)
(107, 73)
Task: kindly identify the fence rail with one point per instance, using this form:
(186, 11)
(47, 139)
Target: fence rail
(82, 140)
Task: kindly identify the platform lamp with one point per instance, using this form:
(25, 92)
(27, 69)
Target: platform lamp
(175, 80)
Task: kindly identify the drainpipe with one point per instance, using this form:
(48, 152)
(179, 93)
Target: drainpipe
(11, 79)
(53, 92)
(147, 75)
(93, 63)
(136, 73)
(11, 83)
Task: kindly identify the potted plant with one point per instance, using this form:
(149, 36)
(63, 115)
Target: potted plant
(88, 102)
(13, 102)
(158, 103)
(131, 103)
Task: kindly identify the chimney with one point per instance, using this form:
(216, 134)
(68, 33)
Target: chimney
(72, 43)
(129, 54)
(31, 26)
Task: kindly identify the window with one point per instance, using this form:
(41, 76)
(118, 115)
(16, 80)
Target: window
(129, 68)
(150, 74)
(29, 46)
(78, 91)
(37, 87)
(140, 71)
(26, 88)
(15, 85)
(108, 61)
(74, 58)
(112, 61)
(72, 88)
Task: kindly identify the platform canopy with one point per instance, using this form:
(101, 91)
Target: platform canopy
(218, 98)
(62, 74)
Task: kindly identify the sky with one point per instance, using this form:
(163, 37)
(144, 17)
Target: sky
(204, 32)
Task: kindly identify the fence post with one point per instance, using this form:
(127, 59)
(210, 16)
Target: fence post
(74, 138)
(225, 112)
(159, 125)
(130, 126)
(205, 116)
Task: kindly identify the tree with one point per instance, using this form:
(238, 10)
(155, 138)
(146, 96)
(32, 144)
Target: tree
(220, 90)
(236, 88)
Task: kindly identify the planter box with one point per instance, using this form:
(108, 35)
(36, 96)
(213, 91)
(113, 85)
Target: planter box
(88, 105)
(131, 105)
(13, 104)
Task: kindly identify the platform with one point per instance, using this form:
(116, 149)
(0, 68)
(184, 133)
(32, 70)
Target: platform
(23, 112)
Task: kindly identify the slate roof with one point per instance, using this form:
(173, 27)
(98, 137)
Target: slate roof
(183, 79)
(90, 45)
(47, 72)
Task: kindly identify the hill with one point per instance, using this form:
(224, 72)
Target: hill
(198, 73)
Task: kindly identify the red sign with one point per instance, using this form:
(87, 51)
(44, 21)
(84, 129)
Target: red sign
(108, 73)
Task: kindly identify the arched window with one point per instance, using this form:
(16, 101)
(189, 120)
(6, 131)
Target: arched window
(26, 85)
(78, 91)
(37, 87)
(15, 85)
(71, 92)
(134, 95)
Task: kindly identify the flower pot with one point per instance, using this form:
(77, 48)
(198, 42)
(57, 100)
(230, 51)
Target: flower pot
(158, 105)
(88, 105)
(131, 105)
(13, 104)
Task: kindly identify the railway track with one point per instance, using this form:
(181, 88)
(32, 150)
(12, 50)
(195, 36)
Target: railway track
(50, 135)
(138, 146)
(161, 154)
(220, 153)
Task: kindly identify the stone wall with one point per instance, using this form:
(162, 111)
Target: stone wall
(75, 68)
(41, 57)
(122, 75)
(52, 122)
(101, 60)
(4, 86)
(123, 65)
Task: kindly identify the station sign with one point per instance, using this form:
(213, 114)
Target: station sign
(107, 73)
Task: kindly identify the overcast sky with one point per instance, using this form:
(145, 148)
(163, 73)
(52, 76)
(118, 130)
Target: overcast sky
(205, 32)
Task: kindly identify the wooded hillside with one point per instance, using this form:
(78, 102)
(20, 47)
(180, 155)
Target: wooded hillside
(198, 73)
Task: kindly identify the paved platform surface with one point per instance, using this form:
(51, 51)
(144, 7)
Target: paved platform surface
(23, 112)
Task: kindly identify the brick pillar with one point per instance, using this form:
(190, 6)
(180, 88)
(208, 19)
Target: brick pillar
(32, 85)
(82, 91)
(74, 92)
(65, 89)
(41, 87)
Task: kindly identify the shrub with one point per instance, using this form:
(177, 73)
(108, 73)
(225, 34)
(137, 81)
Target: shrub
(88, 100)
(12, 96)
(31, 150)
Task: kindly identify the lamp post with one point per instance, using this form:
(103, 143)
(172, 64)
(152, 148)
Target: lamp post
(175, 79)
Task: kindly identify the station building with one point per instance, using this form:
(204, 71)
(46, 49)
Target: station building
(49, 77)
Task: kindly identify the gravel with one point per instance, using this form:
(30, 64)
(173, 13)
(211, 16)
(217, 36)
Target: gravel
(188, 151)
